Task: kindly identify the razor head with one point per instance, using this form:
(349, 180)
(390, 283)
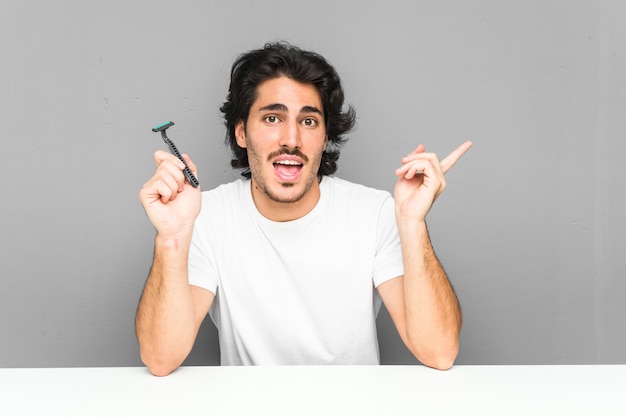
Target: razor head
(162, 126)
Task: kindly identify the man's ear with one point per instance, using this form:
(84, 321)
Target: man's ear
(240, 134)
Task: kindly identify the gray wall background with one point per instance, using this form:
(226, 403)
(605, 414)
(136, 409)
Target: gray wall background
(531, 228)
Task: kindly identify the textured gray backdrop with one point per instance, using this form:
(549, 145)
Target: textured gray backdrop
(531, 228)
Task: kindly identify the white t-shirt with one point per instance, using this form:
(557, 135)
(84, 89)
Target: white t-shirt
(298, 292)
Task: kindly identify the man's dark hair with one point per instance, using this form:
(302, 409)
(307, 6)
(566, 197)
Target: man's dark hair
(282, 59)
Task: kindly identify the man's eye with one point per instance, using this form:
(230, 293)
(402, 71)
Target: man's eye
(271, 119)
(309, 122)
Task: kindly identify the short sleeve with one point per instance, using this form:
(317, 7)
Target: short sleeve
(388, 262)
(201, 270)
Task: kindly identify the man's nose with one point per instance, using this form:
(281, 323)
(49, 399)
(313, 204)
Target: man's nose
(290, 136)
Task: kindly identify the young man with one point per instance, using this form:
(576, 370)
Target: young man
(290, 262)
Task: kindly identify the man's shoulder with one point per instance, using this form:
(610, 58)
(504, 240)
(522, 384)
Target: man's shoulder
(351, 189)
(232, 188)
(226, 198)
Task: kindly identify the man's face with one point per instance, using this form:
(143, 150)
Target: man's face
(285, 136)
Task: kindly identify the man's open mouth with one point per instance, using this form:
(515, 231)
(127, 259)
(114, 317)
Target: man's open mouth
(288, 168)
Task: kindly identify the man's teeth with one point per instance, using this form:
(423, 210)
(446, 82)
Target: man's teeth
(288, 163)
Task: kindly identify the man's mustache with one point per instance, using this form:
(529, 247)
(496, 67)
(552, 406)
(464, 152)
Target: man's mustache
(292, 152)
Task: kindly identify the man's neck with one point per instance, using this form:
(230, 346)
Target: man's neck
(285, 211)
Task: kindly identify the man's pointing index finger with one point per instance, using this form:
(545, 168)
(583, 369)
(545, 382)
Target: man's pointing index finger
(449, 161)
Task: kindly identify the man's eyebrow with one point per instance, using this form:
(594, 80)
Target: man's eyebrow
(281, 107)
(310, 109)
(274, 107)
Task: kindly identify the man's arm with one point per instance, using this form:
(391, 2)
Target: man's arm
(422, 303)
(170, 310)
(423, 306)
